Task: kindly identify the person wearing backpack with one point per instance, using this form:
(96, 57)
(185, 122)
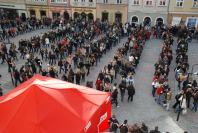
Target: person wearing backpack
(114, 124)
(124, 127)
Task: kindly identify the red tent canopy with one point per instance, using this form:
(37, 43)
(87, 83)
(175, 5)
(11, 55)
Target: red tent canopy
(46, 105)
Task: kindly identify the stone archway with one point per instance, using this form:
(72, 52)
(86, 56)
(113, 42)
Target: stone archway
(66, 15)
(76, 15)
(159, 21)
(134, 19)
(83, 15)
(90, 16)
(147, 21)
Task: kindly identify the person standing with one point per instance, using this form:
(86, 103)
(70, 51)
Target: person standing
(168, 98)
(195, 102)
(183, 105)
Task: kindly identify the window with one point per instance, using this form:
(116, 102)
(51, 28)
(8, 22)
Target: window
(105, 1)
(195, 3)
(136, 2)
(83, 0)
(162, 2)
(90, 0)
(149, 2)
(191, 22)
(119, 1)
(58, 1)
(180, 3)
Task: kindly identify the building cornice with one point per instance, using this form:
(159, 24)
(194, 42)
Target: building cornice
(184, 12)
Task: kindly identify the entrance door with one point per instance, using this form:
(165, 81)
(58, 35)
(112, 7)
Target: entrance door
(159, 21)
(55, 15)
(118, 17)
(23, 17)
(105, 16)
(66, 15)
(83, 15)
(90, 16)
(76, 15)
(43, 13)
(147, 21)
(32, 13)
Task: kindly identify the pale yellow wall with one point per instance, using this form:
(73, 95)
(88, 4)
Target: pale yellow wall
(37, 10)
(187, 7)
(112, 9)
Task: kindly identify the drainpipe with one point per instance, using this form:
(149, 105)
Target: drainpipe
(168, 12)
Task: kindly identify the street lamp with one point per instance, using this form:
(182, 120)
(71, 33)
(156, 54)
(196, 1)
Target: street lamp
(191, 73)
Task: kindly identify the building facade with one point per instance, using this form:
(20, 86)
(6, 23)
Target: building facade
(59, 8)
(148, 12)
(183, 12)
(12, 9)
(37, 8)
(84, 8)
(112, 10)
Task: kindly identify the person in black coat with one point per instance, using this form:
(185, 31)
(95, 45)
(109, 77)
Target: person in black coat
(114, 95)
(131, 92)
(17, 77)
(122, 88)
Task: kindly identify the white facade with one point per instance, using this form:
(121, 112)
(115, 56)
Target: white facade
(19, 6)
(112, 1)
(148, 9)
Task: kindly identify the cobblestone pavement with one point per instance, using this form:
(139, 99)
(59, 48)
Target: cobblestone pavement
(143, 108)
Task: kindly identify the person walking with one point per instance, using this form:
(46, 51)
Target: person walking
(114, 95)
(17, 77)
(131, 92)
(122, 88)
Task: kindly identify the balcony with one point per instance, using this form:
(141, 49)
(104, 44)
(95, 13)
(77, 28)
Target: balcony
(83, 4)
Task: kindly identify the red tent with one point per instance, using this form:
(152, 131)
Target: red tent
(46, 105)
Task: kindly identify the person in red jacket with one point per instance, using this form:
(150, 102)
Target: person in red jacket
(98, 84)
(159, 91)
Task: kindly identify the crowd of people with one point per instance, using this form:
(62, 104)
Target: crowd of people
(187, 87)
(161, 89)
(187, 96)
(123, 65)
(70, 51)
(11, 28)
(116, 126)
